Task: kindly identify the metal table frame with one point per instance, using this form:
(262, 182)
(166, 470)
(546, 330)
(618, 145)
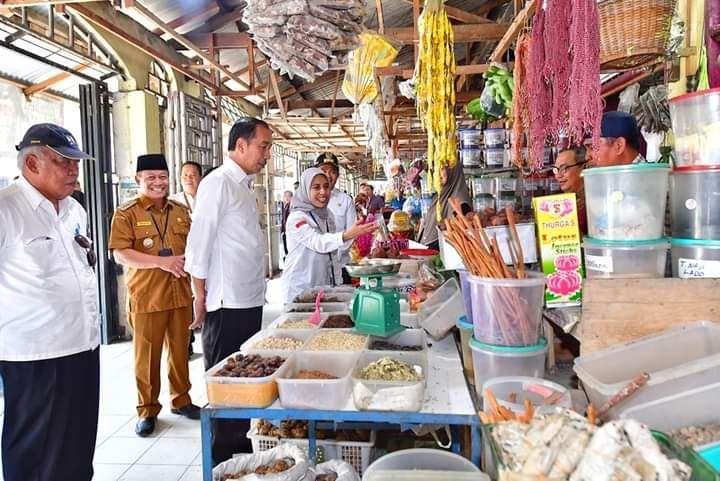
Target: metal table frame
(374, 417)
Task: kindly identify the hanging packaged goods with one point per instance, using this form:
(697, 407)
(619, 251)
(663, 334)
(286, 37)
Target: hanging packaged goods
(435, 87)
(359, 83)
(562, 84)
(301, 37)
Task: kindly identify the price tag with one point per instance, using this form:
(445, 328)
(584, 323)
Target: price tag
(698, 269)
(599, 263)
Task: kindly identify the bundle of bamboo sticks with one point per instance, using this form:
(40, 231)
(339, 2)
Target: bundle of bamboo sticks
(511, 320)
(481, 254)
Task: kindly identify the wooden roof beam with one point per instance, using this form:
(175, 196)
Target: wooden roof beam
(406, 71)
(513, 31)
(460, 15)
(478, 32)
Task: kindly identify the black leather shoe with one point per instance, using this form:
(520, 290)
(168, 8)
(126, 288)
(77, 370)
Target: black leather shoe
(190, 411)
(145, 427)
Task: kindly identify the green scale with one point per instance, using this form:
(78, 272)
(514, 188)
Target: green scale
(376, 310)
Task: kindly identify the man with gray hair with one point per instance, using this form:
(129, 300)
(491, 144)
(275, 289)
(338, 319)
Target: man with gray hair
(49, 326)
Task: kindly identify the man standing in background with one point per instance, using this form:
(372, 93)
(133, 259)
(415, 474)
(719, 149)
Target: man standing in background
(190, 176)
(226, 258)
(148, 236)
(375, 202)
(341, 205)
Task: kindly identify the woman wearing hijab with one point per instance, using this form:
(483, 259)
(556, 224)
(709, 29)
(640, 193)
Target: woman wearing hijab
(453, 185)
(313, 244)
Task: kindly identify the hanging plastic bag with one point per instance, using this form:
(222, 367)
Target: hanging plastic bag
(374, 51)
(432, 429)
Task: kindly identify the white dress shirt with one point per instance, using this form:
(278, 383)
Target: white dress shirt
(185, 199)
(312, 258)
(48, 292)
(342, 207)
(225, 245)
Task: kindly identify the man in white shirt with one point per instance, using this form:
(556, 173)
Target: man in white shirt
(341, 205)
(190, 177)
(226, 258)
(49, 322)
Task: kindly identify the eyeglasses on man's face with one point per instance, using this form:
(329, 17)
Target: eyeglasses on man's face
(562, 170)
(87, 244)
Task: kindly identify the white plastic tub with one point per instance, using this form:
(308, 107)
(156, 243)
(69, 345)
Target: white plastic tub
(526, 231)
(482, 202)
(470, 138)
(677, 360)
(620, 259)
(324, 307)
(408, 337)
(390, 395)
(484, 185)
(626, 202)
(539, 391)
(494, 157)
(294, 316)
(688, 408)
(317, 393)
(696, 128)
(695, 203)
(496, 361)
(439, 313)
(301, 335)
(507, 312)
(494, 138)
(471, 157)
(424, 459)
(695, 258)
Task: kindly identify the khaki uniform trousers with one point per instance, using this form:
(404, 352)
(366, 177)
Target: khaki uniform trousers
(151, 331)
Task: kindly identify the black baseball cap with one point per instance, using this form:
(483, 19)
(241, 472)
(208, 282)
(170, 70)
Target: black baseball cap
(55, 138)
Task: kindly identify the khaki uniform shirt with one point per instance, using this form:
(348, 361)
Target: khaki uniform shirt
(141, 226)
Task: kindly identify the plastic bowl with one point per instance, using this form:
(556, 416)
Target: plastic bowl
(621, 260)
(696, 128)
(695, 203)
(496, 361)
(695, 258)
(431, 459)
(626, 202)
(507, 312)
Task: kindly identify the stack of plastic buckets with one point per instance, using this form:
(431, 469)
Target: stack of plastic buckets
(506, 322)
(695, 185)
(626, 219)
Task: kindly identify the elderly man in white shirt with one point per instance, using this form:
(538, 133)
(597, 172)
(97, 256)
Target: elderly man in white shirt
(49, 323)
(225, 256)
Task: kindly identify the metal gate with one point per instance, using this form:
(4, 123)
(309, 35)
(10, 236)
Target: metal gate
(95, 109)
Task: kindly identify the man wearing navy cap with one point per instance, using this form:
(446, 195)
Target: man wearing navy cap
(619, 141)
(49, 322)
(148, 236)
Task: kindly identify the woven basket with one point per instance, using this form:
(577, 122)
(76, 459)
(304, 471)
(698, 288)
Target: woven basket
(633, 32)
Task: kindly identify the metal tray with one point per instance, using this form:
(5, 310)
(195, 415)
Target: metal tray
(374, 266)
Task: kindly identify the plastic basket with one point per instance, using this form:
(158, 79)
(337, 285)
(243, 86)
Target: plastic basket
(358, 454)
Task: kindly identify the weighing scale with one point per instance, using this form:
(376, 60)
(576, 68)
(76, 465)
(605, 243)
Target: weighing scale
(376, 310)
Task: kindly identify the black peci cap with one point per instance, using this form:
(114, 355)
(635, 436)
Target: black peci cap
(151, 162)
(54, 137)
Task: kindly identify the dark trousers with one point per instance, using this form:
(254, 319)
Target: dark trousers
(51, 417)
(222, 334)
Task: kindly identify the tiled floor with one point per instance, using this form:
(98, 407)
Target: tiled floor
(172, 453)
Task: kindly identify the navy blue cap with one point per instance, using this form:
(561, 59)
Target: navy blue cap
(621, 124)
(151, 162)
(54, 137)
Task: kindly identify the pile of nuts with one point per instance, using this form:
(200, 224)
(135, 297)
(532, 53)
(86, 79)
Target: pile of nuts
(387, 346)
(278, 466)
(277, 342)
(336, 341)
(252, 365)
(339, 321)
(298, 325)
(307, 374)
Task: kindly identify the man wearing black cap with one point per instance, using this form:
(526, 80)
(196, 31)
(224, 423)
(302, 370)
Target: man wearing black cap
(148, 236)
(619, 141)
(49, 322)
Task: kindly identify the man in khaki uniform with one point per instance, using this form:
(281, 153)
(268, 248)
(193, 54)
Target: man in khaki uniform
(148, 236)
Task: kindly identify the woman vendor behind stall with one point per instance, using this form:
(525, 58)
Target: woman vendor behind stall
(569, 164)
(453, 186)
(313, 244)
